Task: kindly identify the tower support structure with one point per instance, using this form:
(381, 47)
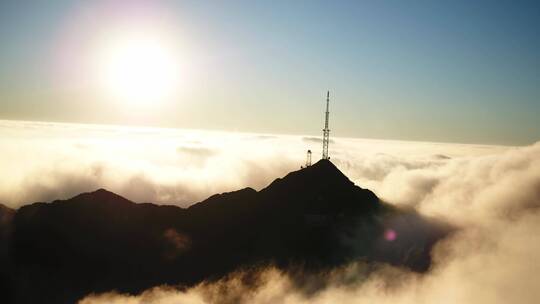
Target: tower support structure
(326, 130)
(308, 158)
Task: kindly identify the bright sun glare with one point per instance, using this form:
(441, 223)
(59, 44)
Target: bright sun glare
(138, 70)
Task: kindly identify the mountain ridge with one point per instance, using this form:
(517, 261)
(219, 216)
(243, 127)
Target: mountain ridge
(315, 217)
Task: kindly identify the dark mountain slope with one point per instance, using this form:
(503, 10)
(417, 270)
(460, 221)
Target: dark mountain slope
(6, 280)
(315, 217)
(6, 218)
(309, 211)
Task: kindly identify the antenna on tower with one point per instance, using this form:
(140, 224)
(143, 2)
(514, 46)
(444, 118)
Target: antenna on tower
(308, 160)
(326, 131)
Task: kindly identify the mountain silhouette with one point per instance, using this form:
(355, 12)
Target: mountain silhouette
(96, 242)
(6, 271)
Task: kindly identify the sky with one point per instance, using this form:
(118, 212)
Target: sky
(416, 70)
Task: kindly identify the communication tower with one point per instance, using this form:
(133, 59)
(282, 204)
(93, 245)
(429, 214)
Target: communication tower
(326, 131)
(308, 158)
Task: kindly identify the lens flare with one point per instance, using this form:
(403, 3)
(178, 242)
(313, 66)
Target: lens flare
(390, 235)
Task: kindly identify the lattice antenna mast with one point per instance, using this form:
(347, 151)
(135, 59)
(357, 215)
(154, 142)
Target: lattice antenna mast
(308, 158)
(326, 131)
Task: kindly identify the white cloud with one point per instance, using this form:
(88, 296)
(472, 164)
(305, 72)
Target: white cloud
(492, 193)
(47, 161)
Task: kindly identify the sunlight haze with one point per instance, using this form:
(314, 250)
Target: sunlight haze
(454, 72)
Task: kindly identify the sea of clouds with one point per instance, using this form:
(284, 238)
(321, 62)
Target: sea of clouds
(491, 193)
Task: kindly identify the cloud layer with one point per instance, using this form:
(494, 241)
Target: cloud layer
(47, 161)
(491, 193)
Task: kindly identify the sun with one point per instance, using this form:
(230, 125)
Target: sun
(138, 70)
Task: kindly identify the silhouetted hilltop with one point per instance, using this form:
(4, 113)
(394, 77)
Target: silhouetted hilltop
(6, 215)
(4, 208)
(319, 189)
(99, 241)
(322, 173)
(6, 218)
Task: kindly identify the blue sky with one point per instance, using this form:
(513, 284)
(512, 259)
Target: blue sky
(411, 70)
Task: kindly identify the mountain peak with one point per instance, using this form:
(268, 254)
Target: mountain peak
(4, 208)
(319, 189)
(6, 214)
(100, 195)
(101, 192)
(321, 175)
(326, 170)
